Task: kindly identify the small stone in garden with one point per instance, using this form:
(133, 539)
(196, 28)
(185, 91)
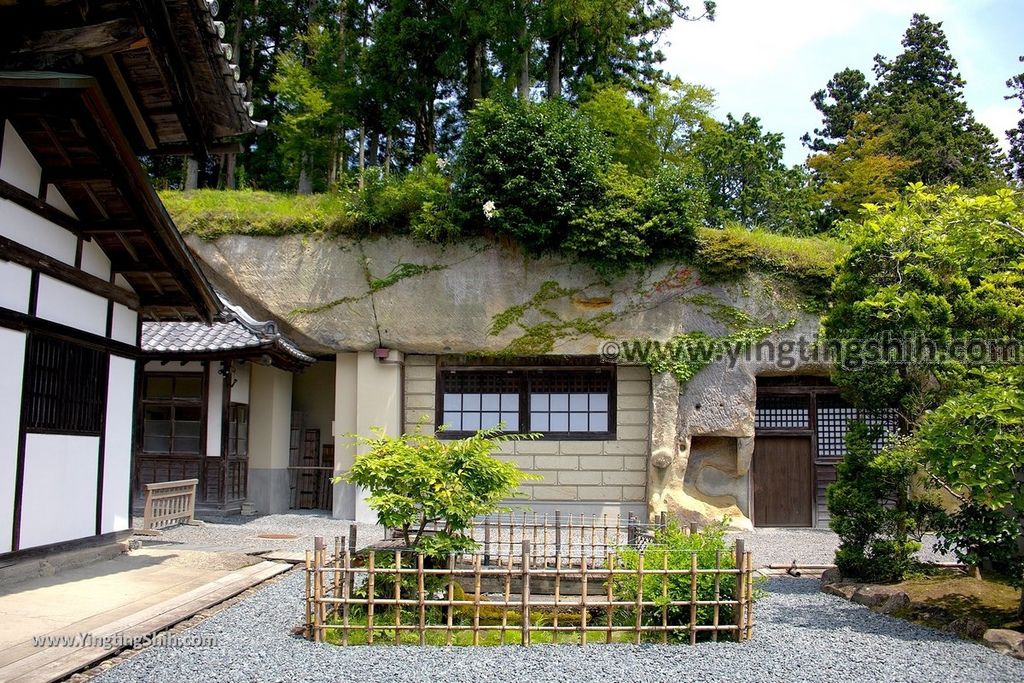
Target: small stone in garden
(967, 627)
(1006, 641)
(832, 575)
(894, 603)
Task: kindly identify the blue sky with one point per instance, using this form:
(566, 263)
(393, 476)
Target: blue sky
(767, 57)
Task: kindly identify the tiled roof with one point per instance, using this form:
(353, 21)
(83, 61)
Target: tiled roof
(239, 332)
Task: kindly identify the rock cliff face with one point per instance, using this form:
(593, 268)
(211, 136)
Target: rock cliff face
(475, 296)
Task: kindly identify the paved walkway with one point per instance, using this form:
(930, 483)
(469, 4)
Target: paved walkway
(54, 623)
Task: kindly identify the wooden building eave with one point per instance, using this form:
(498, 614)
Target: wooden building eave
(65, 121)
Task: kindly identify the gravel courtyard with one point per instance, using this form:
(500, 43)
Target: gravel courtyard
(801, 635)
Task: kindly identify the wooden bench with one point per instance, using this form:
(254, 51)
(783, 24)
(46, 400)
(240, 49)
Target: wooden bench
(169, 503)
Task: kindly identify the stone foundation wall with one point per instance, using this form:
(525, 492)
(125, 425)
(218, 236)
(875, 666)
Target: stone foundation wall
(582, 476)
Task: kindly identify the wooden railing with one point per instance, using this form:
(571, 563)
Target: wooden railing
(402, 597)
(169, 502)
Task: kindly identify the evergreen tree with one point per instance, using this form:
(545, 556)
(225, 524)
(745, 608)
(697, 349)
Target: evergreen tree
(919, 101)
(1016, 134)
(839, 102)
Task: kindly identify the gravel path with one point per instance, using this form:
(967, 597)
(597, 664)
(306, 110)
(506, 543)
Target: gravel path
(242, 534)
(809, 546)
(801, 635)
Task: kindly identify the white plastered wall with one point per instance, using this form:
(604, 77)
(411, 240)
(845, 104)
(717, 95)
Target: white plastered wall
(12, 350)
(368, 395)
(117, 445)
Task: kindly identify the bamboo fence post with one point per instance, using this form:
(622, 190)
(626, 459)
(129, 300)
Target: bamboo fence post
(740, 587)
(544, 539)
(346, 594)
(309, 594)
(611, 597)
(569, 533)
(664, 597)
(718, 594)
(693, 598)
(398, 597)
(525, 614)
(639, 596)
(476, 599)
(558, 587)
(353, 529)
(421, 597)
(337, 575)
(693, 529)
(369, 597)
(604, 542)
(749, 616)
(593, 535)
(451, 598)
(487, 541)
(533, 535)
(558, 532)
(317, 594)
(499, 548)
(505, 603)
(663, 520)
(583, 602)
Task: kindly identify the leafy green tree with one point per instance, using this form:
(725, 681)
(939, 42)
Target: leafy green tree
(646, 133)
(930, 281)
(527, 169)
(747, 181)
(974, 442)
(878, 522)
(417, 481)
(858, 170)
(638, 220)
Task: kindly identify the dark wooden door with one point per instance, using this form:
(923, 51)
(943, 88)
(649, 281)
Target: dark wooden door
(783, 481)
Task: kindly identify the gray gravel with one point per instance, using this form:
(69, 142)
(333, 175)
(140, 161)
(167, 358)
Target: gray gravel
(241, 534)
(810, 546)
(801, 635)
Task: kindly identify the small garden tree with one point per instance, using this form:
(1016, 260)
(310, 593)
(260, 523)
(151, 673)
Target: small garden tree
(878, 522)
(417, 481)
(929, 300)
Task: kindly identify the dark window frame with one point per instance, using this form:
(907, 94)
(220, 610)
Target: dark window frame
(525, 378)
(74, 400)
(175, 403)
(235, 437)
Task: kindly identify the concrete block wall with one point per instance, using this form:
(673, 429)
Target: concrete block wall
(579, 476)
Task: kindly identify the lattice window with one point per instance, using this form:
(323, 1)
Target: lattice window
(172, 413)
(66, 388)
(783, 412)
(238, 430)
(570, 402)
(546, 400)
(481, 400)
(834, 416)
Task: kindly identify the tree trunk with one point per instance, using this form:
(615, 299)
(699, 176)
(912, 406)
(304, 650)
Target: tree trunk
(524, 56)
(554, 67)
(373, 153)
(229, 178)
(387, 156)
(475, 73)
(305, 182)
(191, 174)
(362, 156)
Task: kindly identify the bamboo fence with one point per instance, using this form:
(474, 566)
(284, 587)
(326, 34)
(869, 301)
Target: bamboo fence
(397, 589)
(572, 537)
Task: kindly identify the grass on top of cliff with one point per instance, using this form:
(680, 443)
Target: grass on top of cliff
(722, 253)
(210, 214)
